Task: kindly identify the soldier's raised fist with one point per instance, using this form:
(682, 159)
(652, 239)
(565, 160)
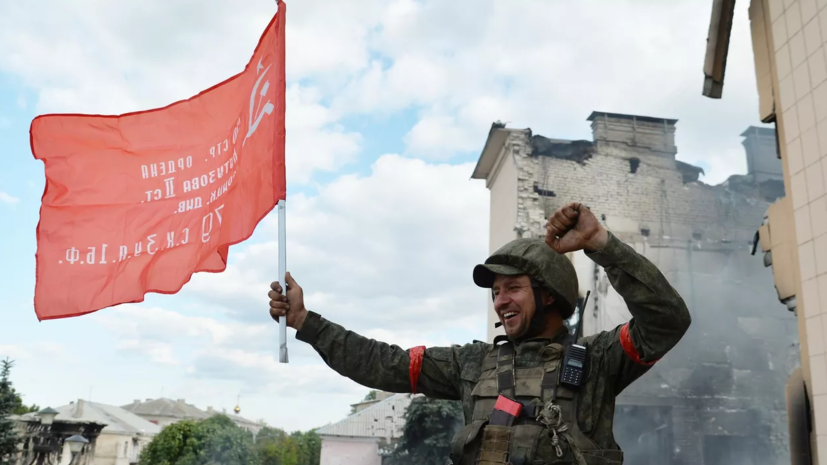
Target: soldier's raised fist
(574, 227)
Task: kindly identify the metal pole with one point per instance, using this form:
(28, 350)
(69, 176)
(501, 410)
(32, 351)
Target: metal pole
(282, 273)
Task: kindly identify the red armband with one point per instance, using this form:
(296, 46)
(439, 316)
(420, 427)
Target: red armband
(629, 347)
(416, 365)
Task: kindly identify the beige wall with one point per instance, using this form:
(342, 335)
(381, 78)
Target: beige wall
(350, 451)
(117, 449)
(503, 215)
(797, 32)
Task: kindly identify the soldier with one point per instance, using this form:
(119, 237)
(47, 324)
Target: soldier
(534, 288)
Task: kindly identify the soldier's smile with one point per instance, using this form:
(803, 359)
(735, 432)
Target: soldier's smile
(511, 320)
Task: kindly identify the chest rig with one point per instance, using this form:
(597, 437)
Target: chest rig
(546, 432)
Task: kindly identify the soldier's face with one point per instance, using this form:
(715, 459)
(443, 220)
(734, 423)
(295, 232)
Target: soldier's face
(514, 303)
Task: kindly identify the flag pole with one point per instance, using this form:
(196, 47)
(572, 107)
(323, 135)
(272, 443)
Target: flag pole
(282, 236)
(283, 279)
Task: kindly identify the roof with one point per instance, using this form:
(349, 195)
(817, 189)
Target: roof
(382, 420)
(648, 119)
(758, 130)
(238, 419)
(116, 419)
(165, 408)
(491, 151)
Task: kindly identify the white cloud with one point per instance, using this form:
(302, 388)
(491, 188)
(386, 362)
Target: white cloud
(547, 65)
(388, 255)
(314, 139)
(112, 58)
(393, 249)
(158, 352)
(539, 64)
(13, 352)
(37, 350)
(7, 198)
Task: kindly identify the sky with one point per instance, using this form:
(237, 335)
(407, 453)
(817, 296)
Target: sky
(389, 105)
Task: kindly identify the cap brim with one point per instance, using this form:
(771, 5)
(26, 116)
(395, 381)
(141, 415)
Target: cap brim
(484, 275)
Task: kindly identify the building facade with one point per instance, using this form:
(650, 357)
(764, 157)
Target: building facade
(116, 436)
(362, 437)
(721, 390)
(48, 442)
(788, 43)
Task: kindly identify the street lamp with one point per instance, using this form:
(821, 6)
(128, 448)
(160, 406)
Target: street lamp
(47, 415)
(45, 445)
(76, 443)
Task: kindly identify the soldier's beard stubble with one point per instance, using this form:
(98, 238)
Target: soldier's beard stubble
(518, 324)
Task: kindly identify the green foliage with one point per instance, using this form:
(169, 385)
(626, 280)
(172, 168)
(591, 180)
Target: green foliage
(276, 447)
(310, 447)
(171, 444)
(20, 408)
(218, 441)
(430, 425)
(214, 441)
(9, 438)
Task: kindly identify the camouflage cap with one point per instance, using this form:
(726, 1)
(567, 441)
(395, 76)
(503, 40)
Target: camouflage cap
(534, 258)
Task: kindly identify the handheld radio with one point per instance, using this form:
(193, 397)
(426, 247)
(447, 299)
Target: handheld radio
(574, 365)
(574, 362)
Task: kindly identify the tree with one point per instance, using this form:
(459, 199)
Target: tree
(20, 408)
(430, 425)
(310, 447)
(276, 447)
(171, 444)
(214, 441)
(9, 438)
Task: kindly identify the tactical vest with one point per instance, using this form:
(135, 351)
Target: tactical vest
(546, 431)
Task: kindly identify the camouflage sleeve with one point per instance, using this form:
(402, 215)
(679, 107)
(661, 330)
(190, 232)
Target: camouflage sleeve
(659, 315)
(435, 371)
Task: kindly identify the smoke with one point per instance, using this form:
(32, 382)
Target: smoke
(718, 397)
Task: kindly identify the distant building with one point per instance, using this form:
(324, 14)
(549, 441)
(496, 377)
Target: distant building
(164, 412)
(360, 438)
(380, 396)
(121, 440)
(48, 442)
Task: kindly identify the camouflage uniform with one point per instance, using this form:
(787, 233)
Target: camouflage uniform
(616, 357)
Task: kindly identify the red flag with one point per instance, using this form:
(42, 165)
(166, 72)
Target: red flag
(137, 203)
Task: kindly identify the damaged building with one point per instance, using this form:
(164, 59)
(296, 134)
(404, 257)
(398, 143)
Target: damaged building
(718, 397)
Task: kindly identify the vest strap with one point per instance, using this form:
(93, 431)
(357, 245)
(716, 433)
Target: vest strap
(505, 370)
